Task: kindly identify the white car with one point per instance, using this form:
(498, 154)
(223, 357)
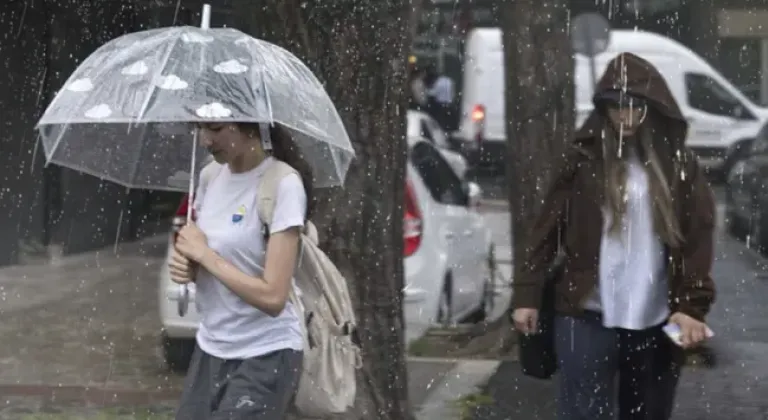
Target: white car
(448, 256)
(421, 125)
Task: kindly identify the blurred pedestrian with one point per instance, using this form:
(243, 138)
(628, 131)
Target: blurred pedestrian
(439, 97)
(638, 257)
(418, 89)
(440, 86)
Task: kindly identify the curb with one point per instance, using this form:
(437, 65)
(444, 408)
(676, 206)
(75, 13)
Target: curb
(493, 205)
(463, 380)
(139, 248)
(91, 395)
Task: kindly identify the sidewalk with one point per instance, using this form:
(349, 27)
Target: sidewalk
(81, 339)
(434, 387)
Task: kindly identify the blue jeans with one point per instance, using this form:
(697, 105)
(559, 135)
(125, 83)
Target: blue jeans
(610, 372)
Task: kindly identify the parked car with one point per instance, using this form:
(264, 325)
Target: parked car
(421, 125)
(746, 196)
(448, 255)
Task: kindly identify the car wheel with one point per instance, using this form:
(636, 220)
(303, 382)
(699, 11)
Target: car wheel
(733, 222)
(735, 153)
(488, 297)
(177, 353)
(445, 304)
(758, 234)
(491, 282)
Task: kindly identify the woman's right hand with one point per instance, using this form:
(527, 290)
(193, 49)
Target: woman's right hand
(526, 320)
(180, 268)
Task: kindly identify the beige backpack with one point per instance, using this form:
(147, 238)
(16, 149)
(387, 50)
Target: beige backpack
(331, 347)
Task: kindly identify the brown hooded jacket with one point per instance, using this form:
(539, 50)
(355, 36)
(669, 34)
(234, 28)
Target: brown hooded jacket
(575, 202)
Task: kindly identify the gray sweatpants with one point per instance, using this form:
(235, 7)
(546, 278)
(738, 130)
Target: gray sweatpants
(258, 388)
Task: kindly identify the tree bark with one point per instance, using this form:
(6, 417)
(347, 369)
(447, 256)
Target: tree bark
(540, 102)
(357, 48)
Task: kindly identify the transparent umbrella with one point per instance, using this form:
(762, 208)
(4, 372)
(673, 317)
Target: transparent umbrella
(126, 114)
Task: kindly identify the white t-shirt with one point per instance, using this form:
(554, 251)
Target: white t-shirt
(231, 328)
(632, 288)
(442, 90)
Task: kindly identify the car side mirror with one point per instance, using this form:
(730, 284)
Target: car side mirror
(474, 194)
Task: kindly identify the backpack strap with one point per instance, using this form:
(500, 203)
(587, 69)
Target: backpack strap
(207, 174)
(267, 192)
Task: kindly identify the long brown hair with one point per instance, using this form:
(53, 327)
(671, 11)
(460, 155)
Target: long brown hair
(285, 149)
(653, 149)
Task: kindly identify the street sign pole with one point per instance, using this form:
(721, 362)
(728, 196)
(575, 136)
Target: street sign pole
(590, 35)
(590, 52)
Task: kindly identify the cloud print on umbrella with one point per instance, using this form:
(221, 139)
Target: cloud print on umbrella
(193, 37)
(172, 82)
(213, 110)
(138, 68)
(80, 85)
(230, 67)
(99, 112)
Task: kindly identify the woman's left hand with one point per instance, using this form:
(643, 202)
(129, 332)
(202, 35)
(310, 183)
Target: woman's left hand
(191, 242)
(693, 331)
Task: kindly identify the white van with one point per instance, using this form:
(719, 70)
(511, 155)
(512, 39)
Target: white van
(719, 114)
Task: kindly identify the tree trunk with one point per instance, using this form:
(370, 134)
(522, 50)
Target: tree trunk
(358, 49)
(540, 102)
(417, 6)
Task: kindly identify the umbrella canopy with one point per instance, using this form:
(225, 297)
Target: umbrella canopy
(125, 114)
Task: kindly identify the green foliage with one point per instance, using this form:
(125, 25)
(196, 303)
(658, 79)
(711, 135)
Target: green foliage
(470, 403)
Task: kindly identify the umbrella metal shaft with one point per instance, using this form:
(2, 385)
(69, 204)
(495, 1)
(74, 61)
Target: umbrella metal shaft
(206, 19)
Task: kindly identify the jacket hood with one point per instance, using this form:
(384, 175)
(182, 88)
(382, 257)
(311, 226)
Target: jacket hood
(635, 76)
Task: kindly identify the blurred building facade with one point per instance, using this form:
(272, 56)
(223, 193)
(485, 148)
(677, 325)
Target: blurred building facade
(731, 34)
(54, 210)
(43, 41)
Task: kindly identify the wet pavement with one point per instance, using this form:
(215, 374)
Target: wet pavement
(82, 333)
(734, 389)
(80, 340)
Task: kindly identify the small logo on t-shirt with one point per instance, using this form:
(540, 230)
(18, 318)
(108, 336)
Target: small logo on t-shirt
(238, 216)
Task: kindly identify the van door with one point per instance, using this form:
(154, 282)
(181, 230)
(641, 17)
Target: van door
(712, 112)
(483, 87)
(491, 88)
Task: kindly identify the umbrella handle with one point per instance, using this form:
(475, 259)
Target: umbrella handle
(183, 302)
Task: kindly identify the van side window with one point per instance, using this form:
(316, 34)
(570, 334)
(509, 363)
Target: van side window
(707, 95)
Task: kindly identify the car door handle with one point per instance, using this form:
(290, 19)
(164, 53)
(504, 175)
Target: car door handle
(468, 232)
